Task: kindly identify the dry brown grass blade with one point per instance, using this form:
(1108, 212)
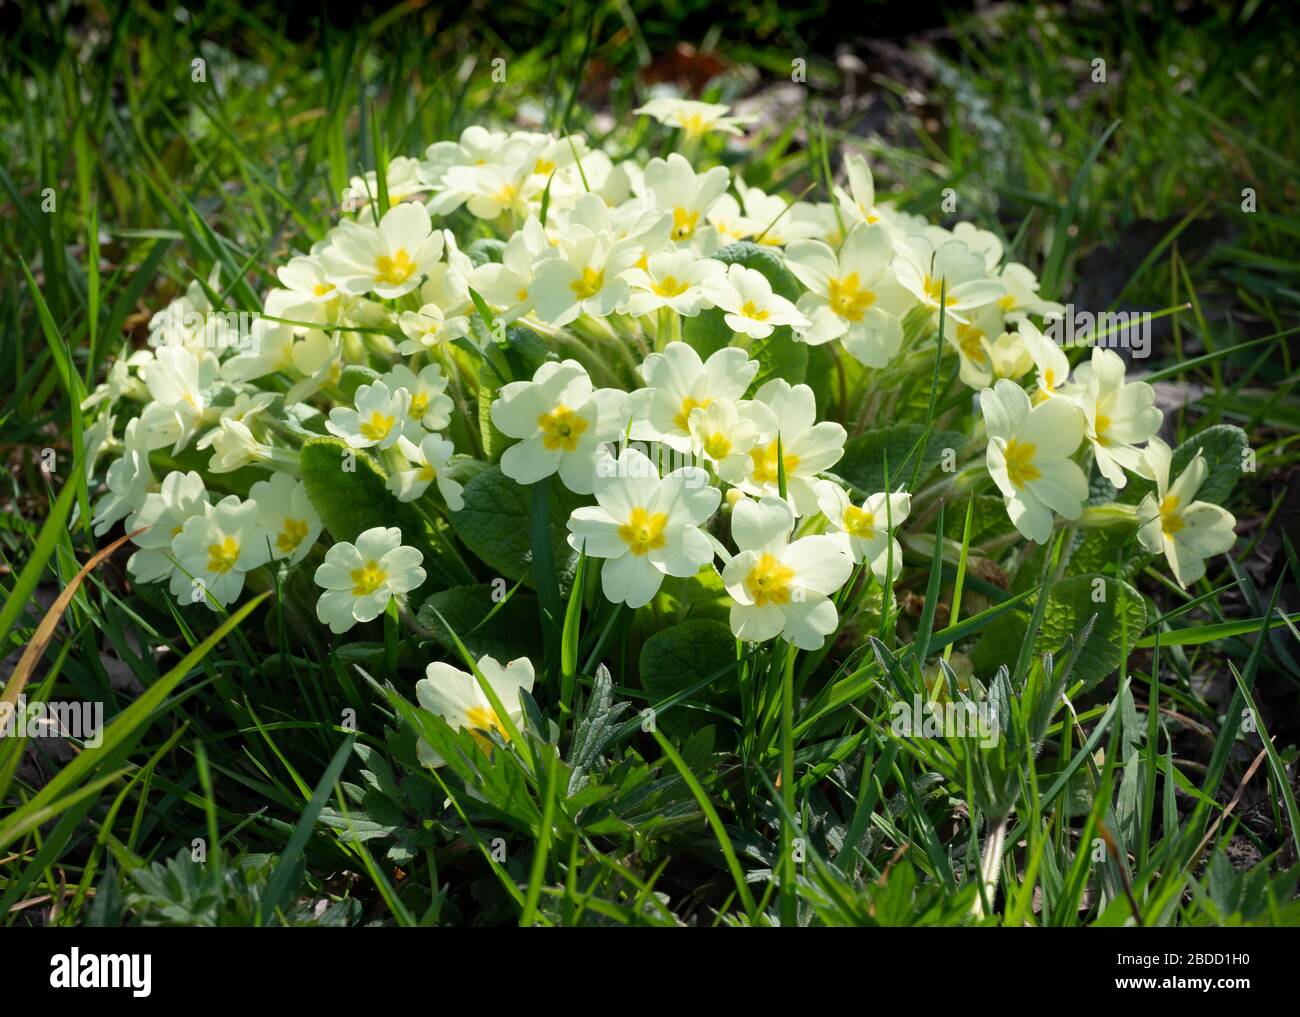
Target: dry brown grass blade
(45, 630)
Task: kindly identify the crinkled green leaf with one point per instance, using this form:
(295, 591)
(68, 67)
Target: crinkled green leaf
(512, 632)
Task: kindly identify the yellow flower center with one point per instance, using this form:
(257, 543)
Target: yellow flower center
(428, 473)
(589, 285)
(1100, 426)
(377, 427)
(1020, 463)
(934, 289)
(561, 428)
(368, 579)
(684, 223)
(765, 464)
(395, 270)
(693, 123)
(1171, 521)
(293, 534)
(1007, 303)
(419, 404)
(717, 446)
(683, 418)
(769, 581)
(321, 288)
(543, 166)
(482, 719)
(508, 195)
(222, 556)
(859, 522)
(644, 531)
(971, 341)
(754, 313)
(848, 299)
(669, 287)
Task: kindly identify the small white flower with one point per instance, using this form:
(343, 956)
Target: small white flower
(867, 529)
(426, 328)
(402, 181)
(694, 118)
(1120, 416)
(1051, 361)
(560, 420)
(215, 550)
(806, 447)
(677, 189)
(360, 579)
(1173, 523)
(751, 306)
(457, 698)
(853, 296)
(952, 270)
(428, 463)
(129, 481)
(778, 587)
(677, 382)
(286, 515)
(644, 527)
(1029, 457)
(430, 407)
(675, 279)
(234, 445)
(165, 513)
(586, 274)
(724, 433)
(180, 380)
(380, 417)
(1021, 297)
(389, 259)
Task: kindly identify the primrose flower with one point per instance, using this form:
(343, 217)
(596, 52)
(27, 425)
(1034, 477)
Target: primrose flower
(867, 529)
(806, 447)
(456, 697)
(286, 516)
(678, 189)
(952, 270)
(165, 512)
(1052, 363)
(560, 420)
(428, 327)
(1119, 416)
(380, 417)
(1029, 457)
(1171, 522)
(360, 579)
(402, 181)
(428, 464)
(429, 406)
(858, 202)
(778, 587)
(725, 432)
(389, 259)
(586, 275)
(695, 118)
(215, 550)
(180, 380)
(853, 296)
(678, 381)
(644, 527)
(750, 305)
(675, 279)
(129, 480)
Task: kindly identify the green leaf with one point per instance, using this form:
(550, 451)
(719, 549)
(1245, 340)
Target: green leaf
(352, 501)
(495, 525)
(779, 356)
(1223, 447)
(678, 657)
(761, 259)
(1072, 602)
(511, 632)
(353, 377)
(707, 332)
(863, 465)
(484, 250)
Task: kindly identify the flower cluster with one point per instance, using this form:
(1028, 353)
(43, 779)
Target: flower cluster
(387, 329)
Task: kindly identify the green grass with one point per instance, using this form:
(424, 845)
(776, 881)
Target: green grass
(292, 761)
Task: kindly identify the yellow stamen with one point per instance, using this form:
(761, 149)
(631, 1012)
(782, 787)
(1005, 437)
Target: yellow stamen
(769, 581)
(684, 223)
(765, 465)
(683, 418)
(367, 579)
(934, 288)
(752, 312)
(377, 427)
(561, 428)
(1020, 463)
(859, 522)
(669, 287)
(293, 534)
(482, 719)
(644, 531)
(717, 446)
(395, 270)
(1171, 520)
(222, 556)
(848, 299)
(419, 405)
(589, 285)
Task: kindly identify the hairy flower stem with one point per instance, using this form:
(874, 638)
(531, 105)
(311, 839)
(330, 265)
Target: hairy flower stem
(990, 867)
